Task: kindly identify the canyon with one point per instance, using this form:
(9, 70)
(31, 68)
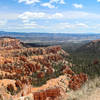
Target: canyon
(29, 73)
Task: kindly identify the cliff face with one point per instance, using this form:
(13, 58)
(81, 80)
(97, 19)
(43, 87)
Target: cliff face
(36, 73)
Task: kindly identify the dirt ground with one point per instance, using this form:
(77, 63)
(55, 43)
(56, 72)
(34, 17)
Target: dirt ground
(95, 95)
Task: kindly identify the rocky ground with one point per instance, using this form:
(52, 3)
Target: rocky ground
(95, 95)
(28, 73)
(89, 91)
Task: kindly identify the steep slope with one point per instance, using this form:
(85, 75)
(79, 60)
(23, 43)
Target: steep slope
(40, 73)
(91, 47)
(89, 91)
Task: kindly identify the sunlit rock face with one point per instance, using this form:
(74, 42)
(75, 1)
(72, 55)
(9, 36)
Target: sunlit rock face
(42, 73)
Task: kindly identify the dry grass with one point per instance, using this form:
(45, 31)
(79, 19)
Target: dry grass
(87, 90)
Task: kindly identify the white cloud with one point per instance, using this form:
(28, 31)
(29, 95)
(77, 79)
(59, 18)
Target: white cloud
(30, 24)
(29, 1)
(57, 1)
(65, 25)
(52, 1)
(76, 15)
(32, 15)
(70, 25)
(56, 16)
(29, 17)
(37, 20)
(62, 2)
(3, 22)
(82, 25)
(9, 16)
(98, 0)
(80, 15)
(26, 16)
(78, 5)
(49, 5)
(25, 25)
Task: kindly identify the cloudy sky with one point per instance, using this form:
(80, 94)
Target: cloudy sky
(57, 16)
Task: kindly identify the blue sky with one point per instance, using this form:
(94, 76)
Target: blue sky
(57, 16)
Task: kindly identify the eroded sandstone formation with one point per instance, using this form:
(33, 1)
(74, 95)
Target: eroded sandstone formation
(9, 43)
(35, 73)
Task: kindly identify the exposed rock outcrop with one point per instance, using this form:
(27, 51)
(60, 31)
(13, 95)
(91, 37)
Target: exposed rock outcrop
(35, 73)
(10, 43)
